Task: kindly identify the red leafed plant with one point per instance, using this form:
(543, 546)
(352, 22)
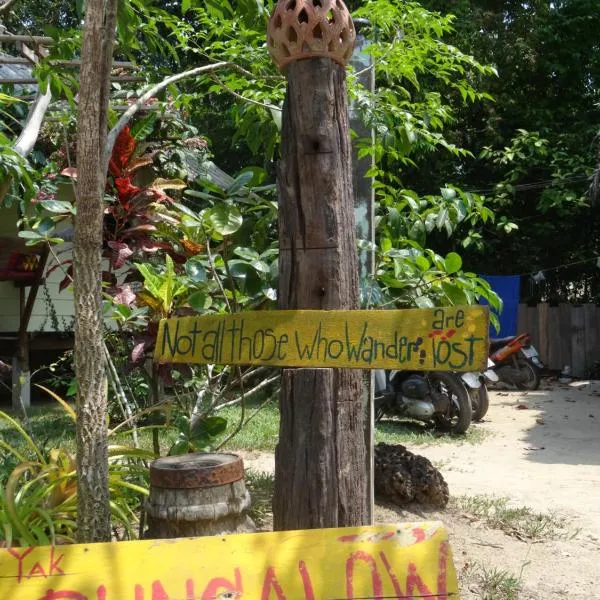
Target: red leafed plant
(130, 220)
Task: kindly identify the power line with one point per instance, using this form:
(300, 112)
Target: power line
(537, 184)
(563, 266)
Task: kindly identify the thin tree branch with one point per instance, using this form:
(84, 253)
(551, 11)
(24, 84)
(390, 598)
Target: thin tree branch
(150, 93)
(242, 414)
(153, 90)
(26, 141)
(218, 279)
(251, 392)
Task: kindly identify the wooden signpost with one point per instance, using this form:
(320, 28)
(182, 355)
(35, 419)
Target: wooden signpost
(411, 560)
(438, 339)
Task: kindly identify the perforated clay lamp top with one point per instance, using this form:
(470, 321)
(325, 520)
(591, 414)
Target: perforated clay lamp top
(300, 29)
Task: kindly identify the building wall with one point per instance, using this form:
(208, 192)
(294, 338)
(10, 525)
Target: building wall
(9, 294)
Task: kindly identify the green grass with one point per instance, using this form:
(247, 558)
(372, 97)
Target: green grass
(393, 431)
(48, 425)
(260, 433)
(52, 428)
(261, 487)
(521, 522)
(491, 583)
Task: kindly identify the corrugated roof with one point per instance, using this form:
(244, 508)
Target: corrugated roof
(17, 72)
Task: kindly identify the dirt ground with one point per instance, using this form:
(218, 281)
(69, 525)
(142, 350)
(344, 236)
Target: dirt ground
(542, 450)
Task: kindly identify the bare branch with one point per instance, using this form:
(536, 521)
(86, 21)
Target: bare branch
(26, 141)
(150, 93)
(153, 90)
(263, 384)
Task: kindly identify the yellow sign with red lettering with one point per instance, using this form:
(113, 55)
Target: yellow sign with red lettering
(410, 560)
(436, 339)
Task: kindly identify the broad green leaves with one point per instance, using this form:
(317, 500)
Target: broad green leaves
(224, 219)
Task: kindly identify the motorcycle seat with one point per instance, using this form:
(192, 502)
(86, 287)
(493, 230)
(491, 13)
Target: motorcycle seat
(496, 343)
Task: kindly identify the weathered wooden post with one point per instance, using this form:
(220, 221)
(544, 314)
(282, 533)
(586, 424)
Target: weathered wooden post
(320, 475)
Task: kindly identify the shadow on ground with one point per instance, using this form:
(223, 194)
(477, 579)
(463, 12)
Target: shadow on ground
(567, 428)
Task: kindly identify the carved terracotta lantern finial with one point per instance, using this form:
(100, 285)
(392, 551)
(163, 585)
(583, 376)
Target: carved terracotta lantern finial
(300, 29)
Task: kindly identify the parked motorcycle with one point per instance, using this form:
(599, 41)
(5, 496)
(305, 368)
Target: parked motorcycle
(435, 396)
(517, 362)
(476, 384)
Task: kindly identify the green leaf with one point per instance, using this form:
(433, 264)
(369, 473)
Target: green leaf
(179, 447)
(247, 253)
(424, 302)
(259, 175)
(144, 127)
(185, 6)
(453, 263)
(495, 321)
(208, 427)
(58, 206)
(243, 179)
(152, 281)
(187, 211)
(30, 235)
(441, 218)
(199, 301)
(195, 270)
(422, 263)
(448, 193)
(261, 266)
(455, 294)
(46, 226)
(225, 219)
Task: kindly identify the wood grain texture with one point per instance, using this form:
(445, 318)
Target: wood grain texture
(448, 339)
(318, 269)
(410, 560)
(174, 513)
(93, 499)
(578, 341)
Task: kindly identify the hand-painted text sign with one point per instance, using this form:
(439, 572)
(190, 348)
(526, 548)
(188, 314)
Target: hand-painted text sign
(411, 560)
(441, 339)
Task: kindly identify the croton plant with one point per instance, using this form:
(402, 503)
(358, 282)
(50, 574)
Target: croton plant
(174, 246)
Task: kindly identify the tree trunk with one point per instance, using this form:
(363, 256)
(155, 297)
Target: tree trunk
(93, 507)
(320, 478)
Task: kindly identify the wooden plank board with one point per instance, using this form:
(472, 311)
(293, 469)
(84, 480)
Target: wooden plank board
(533, 325)
(441, 339)
(410, 560)
(578, 341)
(591, 336)
(566, 354)
(553, 359)
(543, 334)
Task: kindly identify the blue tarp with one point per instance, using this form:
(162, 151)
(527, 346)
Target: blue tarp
(507, 287)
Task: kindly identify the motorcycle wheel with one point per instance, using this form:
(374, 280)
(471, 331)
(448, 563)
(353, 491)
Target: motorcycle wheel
(459, 414)
(528, 375)
(480, 401)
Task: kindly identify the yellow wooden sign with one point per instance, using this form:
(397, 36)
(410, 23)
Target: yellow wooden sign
(411, 560)
(440, 339)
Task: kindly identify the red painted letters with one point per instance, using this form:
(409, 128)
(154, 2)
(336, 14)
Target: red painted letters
(375, 577)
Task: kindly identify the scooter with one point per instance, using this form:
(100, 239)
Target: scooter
(476, 384)
(434, 396)
(517, 362)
